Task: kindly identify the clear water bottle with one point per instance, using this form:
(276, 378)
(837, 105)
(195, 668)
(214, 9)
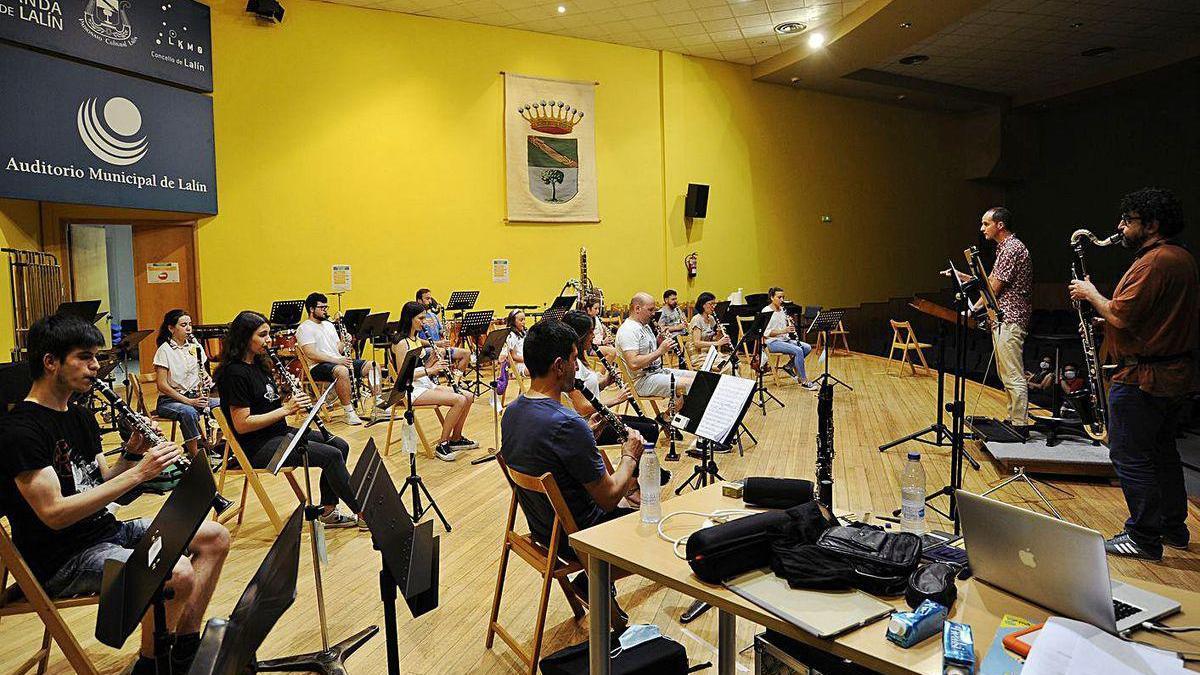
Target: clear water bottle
(650, 484)
(912, 495)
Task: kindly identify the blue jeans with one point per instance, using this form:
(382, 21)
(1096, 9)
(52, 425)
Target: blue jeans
(798, 350)
(1141, 444)
(187, 416)
(81, 574)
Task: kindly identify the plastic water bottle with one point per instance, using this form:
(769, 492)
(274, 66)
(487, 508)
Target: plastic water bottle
(650, 483)
(912, 495)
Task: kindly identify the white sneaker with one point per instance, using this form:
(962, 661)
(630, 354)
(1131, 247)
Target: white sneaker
(353, 419)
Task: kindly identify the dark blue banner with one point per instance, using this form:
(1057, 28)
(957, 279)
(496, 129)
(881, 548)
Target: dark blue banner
(169, 40)
(77, 134)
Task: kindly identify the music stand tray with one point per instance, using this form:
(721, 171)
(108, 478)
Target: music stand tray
(562, 302)
(285, 451)
(462, 300)
(286, 313)
(553, 314)
(372, 326)
(88, 310)
(352, 319)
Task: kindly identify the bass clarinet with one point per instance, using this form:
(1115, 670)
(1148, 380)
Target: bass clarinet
(615, 374)
(610, 417)
(142, 425)
(825, 444)
(289, 382)
(1092, 404)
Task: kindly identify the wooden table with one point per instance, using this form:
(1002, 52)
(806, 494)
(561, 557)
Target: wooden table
(631, 545)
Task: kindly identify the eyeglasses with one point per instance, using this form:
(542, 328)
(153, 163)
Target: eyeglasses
(1125, 218)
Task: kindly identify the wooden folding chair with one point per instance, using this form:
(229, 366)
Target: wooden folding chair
(774, 361)
(315, 388)
(644, 402)
(397, 414)
(545, 560)
(904, 339)
(27, 596)
(834, 334)
(137, 398)
(250, 478)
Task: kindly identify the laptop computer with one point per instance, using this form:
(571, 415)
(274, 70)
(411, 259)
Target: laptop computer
(1053, 563)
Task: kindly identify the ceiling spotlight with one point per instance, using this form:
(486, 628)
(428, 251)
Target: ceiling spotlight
(816, 40)
(795, 82)
(562, 9)
(900, 97)
(906, 24)
(1077, 24)
(914, 59)
(1097, 51)
(790, 27)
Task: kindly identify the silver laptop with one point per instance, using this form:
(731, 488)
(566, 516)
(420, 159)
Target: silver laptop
(1053, 563)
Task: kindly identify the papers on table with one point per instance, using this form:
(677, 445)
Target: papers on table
(1066, 647)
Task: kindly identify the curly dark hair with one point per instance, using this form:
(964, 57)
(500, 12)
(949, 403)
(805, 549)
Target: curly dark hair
(237, 343)
(1156, 204)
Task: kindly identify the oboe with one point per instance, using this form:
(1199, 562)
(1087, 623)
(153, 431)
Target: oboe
(610, 418)
(288, 381)
(153, 436)
(615, 374)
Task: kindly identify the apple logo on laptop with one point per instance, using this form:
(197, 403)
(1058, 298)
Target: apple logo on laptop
(1027, 558)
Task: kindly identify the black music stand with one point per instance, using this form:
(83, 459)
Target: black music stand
(286, 313)
(553, 314)
(128, 589)
(562, 302)
(373, 326)
(755, 337)
(460, 301)
(492, 345)
(824, 322)
(88, 310)
(128, 343)
(229, 646)
(352, 319)
(475, 324)
(402, 393)
(409, 555)
(331, 660)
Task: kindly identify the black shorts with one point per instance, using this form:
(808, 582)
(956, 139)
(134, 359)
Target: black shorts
(323, 372)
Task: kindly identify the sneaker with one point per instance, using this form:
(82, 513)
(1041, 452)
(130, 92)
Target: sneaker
(1123, 545)
(353, 419)
(362, 525)
(464, 443)
(790, 370)
(811, 386)
(445, 452)
(1179, 542)
(580, 585)
(337, 520)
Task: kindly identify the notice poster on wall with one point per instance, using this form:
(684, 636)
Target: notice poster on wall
(162, 273)
(341, 279)
(500, 271)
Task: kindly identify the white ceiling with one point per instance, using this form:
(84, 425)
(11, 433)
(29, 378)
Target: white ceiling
(1016, 46)
(741, 31)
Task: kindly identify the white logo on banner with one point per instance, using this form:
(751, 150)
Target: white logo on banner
(106, 21)
(111, 136)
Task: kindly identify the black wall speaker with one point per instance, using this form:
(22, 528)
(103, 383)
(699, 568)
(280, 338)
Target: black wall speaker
(696, 205)
(269, 11)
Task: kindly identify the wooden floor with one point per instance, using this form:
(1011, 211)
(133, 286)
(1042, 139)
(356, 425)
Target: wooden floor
(450, 639)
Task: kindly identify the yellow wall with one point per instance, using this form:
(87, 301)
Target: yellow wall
(18, 229)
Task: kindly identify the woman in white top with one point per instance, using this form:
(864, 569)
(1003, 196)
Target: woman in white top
(602, 337)
(425, 391)
(514, 344)
(703, 326)
(181, 376)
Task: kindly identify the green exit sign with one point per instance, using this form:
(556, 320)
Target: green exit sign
(826, 219)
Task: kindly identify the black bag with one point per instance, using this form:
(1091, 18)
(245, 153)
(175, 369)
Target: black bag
(882, 561)
(776, 493)
(723, 551)
(935, 582)
(659, 656)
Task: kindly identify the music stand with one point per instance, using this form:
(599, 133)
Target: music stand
(475, 324)
(128, 589)
(824, 322)
(408, 555)
(402, 393)
(331, 659)
(352, 319)
(88, 310)
(373, 326)
(286, 313)
(492, 346)
(755, 336)
(229, 646)
(553, 314)
(126, 344)
(562, 302)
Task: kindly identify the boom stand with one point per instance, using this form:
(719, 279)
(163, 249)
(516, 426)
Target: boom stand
(331, 660)
(404, 383)
(939, 428)
(491, 350)
(475, 324)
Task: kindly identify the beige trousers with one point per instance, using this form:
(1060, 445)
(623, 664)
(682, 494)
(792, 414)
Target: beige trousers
(1009, 340)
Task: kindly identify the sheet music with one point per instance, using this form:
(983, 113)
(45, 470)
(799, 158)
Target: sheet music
(710, 359)
(722, 411)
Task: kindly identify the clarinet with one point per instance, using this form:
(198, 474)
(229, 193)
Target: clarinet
(616, 378)
(1094, 402)
(203, 388)
(348, 352)
(451, 374)
(141, 424)
(671, 455)
(293, 386)
(674, 343)
(825, 445)
(610, 418)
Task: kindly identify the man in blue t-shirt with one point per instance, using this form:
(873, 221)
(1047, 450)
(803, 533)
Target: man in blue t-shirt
(540, 435)
(433, 333)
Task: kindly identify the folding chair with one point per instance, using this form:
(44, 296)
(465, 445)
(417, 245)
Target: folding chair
(774, 361)
(250, 478)
(904, 339)
(315, 388)
(137, 398)
(397, 413)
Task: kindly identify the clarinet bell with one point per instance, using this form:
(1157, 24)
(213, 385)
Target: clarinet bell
(221, 503)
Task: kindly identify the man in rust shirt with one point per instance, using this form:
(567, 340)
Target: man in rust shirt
(1152, 328)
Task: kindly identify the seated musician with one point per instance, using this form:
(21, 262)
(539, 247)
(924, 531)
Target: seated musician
(780, 336)
(318, 338)
(181, 375)
(55, 486)
(601, 337)
(1043, 379)
(425, 391)
(671, 321)
(257, 411)
(514, 345)
(540, 435)
(434, 333)
(704, 325)
(642, 352)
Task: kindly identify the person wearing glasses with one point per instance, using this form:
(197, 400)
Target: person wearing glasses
(1151, 328)
(318, 338)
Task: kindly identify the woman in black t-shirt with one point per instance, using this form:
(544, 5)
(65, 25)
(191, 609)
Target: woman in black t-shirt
(252, 402)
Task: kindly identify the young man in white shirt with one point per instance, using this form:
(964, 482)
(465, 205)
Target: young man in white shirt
(643, 354)
(318, 338)
(780, 335)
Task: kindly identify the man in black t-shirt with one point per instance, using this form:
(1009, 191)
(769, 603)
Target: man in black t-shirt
(55, 488)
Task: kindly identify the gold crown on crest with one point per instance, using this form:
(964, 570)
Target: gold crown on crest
(550, 117)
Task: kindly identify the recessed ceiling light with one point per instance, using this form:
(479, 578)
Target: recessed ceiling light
(790, 27)
(1077, 24)
(1097, 51)
(906, 24)
(816, 40)
(900, 97)
(914, 59)
(562, 9)
(795, 82)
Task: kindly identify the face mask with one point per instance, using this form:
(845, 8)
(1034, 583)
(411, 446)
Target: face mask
(1069, 374)
(1045, 365)
(636, 635)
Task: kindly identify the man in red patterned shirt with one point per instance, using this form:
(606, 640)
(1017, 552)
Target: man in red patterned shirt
(1011, 282)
